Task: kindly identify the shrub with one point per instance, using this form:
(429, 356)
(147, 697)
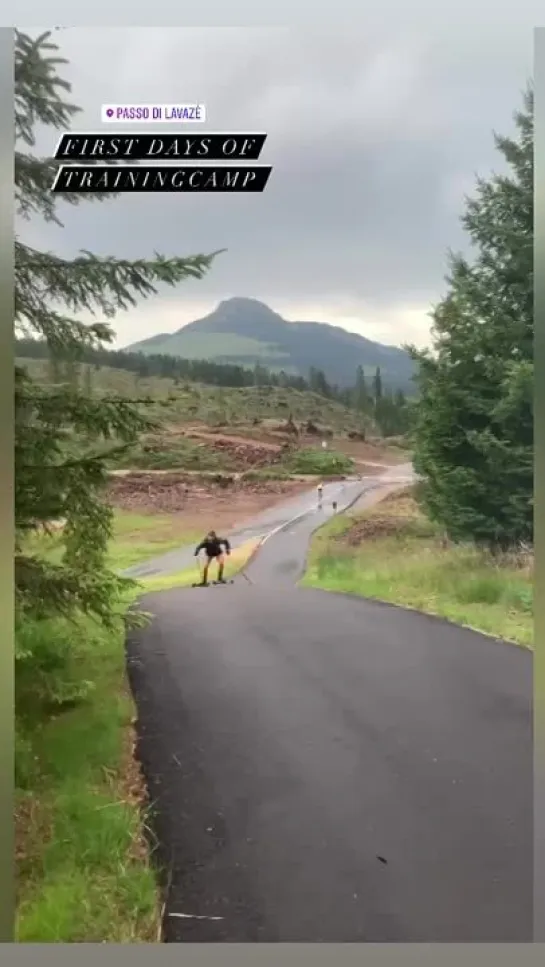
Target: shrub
(319, 462)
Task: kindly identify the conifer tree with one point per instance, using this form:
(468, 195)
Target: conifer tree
(88, 379)
(56, 481)
(473, 430)
(361, 397)
(377, 386)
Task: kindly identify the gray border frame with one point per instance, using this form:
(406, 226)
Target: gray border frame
(239, 954)
(6, 481)
(539, 344)
(272, 955)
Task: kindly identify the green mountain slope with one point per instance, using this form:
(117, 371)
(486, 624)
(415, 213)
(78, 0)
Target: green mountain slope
(247, 332)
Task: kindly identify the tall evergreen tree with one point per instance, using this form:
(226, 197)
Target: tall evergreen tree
(260, 375)
(88, 380)
(474, 421)
(312, 379)
(377, 385)
(72, 372)
(321, 385)
(53, 481)
(361, 396)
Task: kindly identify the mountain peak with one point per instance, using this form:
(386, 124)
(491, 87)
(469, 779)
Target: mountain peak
(246, 332)
(237, 305)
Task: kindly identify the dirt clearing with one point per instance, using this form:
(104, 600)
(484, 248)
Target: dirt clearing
(362, 452)
(391, 511)
(243, 454)
(223, 503)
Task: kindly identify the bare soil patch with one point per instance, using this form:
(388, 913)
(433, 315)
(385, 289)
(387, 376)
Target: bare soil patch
(220, 502)
(372, 528)
(269, 433)
(401, 501)
(220, 438)
(237, 453)
(273, 438)
(244, 454)
(362, 452)
(369, 469)
(32, 828)
(393, 511)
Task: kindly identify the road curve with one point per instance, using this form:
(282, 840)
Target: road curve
(329, 769)
(344, 492)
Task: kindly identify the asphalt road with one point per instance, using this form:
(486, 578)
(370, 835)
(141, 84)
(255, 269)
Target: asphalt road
(324, 768)
(269, 522)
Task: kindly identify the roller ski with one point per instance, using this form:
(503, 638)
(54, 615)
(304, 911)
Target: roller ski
(212, 584)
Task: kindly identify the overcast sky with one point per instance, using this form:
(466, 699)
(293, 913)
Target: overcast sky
(375, 134)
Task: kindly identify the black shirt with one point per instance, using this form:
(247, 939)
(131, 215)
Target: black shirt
(213, 547)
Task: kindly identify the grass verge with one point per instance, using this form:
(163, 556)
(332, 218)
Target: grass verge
(84, 873)
(137, 538)
(393, 553)
(318, 462)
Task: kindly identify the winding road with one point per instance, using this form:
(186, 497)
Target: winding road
(330, 769)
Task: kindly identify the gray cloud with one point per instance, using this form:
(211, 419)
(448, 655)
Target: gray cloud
(375, 134)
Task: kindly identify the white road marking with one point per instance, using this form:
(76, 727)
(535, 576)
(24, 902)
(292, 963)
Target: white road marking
(286, 524)
(300, 516)
(192, 916)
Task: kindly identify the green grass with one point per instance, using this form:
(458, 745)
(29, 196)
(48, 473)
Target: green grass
(84, 873)
(320, 462)
(245, 412)
(137, 538)
(174, 453)
(401, 560)
(216, 346)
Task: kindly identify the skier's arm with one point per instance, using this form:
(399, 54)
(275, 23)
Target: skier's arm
(199, 548)
(226, 545)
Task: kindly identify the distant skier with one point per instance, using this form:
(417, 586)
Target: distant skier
(334, 505)
(320, 491)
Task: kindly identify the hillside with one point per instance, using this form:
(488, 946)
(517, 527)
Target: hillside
(269, 431)
(213, 406)
(247, 333)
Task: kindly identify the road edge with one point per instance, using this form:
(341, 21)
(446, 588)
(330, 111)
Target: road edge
(284, 526)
